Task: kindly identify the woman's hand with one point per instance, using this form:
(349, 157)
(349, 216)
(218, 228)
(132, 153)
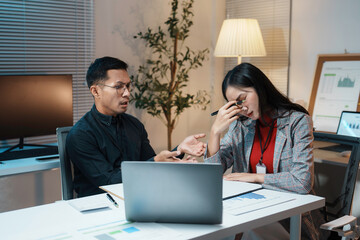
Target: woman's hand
(246, 177)
(226, 115)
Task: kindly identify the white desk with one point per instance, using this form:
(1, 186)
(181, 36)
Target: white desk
(26, 165)
(61, 219)
(33, 178)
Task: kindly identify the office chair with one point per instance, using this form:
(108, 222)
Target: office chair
(66, 169)
(342, 223)
(346, 227)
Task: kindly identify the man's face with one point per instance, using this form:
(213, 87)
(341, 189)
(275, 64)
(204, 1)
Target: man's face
(112, 95)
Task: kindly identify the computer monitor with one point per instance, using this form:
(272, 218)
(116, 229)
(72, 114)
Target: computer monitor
(34, 105)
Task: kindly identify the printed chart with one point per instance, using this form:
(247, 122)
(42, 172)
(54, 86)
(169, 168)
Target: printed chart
(253, 201)
(338, 91)
(117, 230)
(127, 230)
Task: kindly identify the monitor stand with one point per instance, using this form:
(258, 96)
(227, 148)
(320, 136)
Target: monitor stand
(21, 145)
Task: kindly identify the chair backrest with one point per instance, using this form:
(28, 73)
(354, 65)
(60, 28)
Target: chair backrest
(344, 201)
(66, 169)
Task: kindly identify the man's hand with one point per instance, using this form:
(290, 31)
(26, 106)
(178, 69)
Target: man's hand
(167, 156)
(192, 146)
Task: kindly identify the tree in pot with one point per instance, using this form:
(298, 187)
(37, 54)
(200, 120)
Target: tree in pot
(160, 82)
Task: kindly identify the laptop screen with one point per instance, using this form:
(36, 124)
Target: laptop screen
(349, 124)
(172, 192)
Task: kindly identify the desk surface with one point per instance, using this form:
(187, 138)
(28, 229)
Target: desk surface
(26, 165)
(328, 156)
(60, 219)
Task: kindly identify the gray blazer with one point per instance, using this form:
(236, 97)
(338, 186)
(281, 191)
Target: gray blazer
(293, 153)
(293, 159)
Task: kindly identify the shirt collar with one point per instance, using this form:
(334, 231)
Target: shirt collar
(105, 119)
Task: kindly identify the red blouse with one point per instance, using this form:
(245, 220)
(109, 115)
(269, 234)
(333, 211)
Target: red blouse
(268, 155)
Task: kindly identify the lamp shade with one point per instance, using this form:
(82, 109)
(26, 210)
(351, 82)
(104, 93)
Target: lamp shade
(240, 38)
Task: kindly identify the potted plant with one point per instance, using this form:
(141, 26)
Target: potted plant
(160, 83)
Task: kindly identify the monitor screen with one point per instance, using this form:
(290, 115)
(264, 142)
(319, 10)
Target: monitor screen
(349, 124)
(34, 105)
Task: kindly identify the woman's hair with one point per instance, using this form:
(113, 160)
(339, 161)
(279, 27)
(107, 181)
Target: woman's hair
(247, 75)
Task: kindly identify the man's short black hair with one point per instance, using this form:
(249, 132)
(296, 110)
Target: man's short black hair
(98, 69)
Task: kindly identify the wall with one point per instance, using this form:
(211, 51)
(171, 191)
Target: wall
(319, 27)
(116, 22)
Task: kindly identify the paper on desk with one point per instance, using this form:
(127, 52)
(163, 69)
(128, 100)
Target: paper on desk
(114, 230)
(114, 189)
(89, 203)
(235, 188)
(128, 230)
(253, 201)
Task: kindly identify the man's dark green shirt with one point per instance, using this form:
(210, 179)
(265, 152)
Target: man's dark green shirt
(97, 144)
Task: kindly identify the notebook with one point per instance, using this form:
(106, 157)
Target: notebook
(172, 192)
(349, 125)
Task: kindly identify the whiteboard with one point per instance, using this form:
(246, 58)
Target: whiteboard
(337, 83)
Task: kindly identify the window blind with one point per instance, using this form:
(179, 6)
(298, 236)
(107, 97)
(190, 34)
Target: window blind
(48, 37)
(274, 21)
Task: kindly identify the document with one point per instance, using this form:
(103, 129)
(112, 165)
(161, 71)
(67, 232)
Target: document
(127, 230)
(235, 188)
(122, 230)
(254, 201)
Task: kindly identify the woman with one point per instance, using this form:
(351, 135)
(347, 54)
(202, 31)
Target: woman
(269, 140)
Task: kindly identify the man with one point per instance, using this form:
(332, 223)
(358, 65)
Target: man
(106, 136)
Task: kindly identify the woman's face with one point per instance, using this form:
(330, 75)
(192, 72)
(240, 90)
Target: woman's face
(250, 108)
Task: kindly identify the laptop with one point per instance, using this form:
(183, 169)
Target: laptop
(172, 192)
(349, 125)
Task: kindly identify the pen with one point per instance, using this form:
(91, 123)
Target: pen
(235, 104)
(112, 200)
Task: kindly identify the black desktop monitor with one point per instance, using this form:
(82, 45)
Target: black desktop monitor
(34, 105)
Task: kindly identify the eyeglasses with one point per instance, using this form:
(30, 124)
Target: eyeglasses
(120, 87)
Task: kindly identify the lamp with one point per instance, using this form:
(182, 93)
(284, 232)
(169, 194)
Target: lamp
(240, 38)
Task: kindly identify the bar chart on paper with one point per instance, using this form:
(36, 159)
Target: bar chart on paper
(127, 230)
(253, 201)
(122, 229)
